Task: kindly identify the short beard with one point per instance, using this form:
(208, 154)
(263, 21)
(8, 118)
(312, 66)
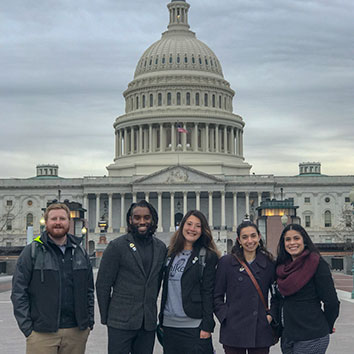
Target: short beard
(134, 231)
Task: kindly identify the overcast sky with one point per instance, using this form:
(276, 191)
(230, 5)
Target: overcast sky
(64, 65)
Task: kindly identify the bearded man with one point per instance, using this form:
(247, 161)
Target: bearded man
(128, 283)
(53, 290)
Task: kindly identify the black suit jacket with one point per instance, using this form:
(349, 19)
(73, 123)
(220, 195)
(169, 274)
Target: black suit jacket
(197, 294)
(126, 296)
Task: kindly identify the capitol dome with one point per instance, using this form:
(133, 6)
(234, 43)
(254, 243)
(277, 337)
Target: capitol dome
(178, 109)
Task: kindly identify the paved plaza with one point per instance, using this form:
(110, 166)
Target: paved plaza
(13, 342)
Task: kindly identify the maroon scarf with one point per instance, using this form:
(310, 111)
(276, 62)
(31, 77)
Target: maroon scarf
(293, 275)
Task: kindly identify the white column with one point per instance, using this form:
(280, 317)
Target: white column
(195, 136)
(259, 198)
(132, 140)
(185, 206)
(211, 210)
(223, 219)
(225, 140)
(197, 200)
(116, 144)
(234, 209)
(134, 197)
(147, 196)
(207, 137)
(110, 213)
(241, 143)
(271, 195)
(184, 138)
(120, 142)
(85, 204)
(140, 139)
(150, 137)
(159, 211)
(97, 229)
(216, 138)
(125, 141)
(173, 137)
(122, 213)
(172, 211)
(162, 148)
(232, 141)
(247, 203)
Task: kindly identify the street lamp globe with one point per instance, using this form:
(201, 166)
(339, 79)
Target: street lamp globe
(284, 219)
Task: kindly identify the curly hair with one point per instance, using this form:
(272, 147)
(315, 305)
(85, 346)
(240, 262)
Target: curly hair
(205, 239)
(143, 204)
(238, 251)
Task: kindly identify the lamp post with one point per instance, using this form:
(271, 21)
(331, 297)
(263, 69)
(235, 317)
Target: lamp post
(284, 220)
(42, 224)
(84, 239)
(351, 198)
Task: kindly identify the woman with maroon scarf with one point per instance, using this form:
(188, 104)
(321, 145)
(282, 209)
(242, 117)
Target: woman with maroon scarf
(310, 305)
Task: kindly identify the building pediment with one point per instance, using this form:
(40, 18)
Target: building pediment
(178, 175)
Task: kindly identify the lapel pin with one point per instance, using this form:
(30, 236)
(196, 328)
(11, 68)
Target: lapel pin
(242, 269)
(194, 260)
(132, 246)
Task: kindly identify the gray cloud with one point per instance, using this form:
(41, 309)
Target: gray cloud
(66, 63)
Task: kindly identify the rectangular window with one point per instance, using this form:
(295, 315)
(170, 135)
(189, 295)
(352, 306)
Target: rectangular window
(307, 221)
(347, 200)
(348, 220)
(9, 225)
(307, 200)
(9, 203)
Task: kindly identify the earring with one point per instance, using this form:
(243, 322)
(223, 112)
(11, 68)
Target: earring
(240, 245)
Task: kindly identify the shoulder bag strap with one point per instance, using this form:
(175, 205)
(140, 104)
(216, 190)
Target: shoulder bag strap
(254, 281)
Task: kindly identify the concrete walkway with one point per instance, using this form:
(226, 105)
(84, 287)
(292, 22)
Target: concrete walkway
(13, 342)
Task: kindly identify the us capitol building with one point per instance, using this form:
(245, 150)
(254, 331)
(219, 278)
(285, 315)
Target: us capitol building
(180, 146)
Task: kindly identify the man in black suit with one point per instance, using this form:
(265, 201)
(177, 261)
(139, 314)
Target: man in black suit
(128, 283)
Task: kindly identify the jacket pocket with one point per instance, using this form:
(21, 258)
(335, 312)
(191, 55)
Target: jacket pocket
(120, 307)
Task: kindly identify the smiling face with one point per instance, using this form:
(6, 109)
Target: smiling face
(249, 239)
(192, 229)
(294, 243)
(57, 224)
(140, 221)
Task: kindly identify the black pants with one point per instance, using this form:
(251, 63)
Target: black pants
(186, 341)
(122, 341)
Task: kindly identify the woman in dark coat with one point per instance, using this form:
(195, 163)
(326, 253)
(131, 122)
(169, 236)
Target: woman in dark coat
(187, 294)
(310, 303)
(244, 321)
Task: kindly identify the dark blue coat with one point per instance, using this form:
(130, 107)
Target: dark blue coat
(242, 314)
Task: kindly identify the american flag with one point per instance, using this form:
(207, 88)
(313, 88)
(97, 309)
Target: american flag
(181, 130)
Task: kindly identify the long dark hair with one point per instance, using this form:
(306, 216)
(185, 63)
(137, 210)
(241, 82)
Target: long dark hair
(205, 239)
(238, 251)
(283, 255)
(144, 204)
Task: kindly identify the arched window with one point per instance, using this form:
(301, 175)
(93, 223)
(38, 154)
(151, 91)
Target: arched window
(178, 98)
(327, 219)
(193, 60)
(206, 99)
(186, 59)
(170, 59)
(143, 101)
(163, 59)
(213, 100)
(188, 99)
(168, 98)
(220, 101)
(137, 102)
(197, 99)
(159, 99)
(29, 220)
(178, 59)
(151, 100)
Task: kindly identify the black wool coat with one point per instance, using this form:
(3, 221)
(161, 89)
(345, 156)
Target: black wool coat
(237, 304)
(126, 294)
(197, 293)
(303, 316)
